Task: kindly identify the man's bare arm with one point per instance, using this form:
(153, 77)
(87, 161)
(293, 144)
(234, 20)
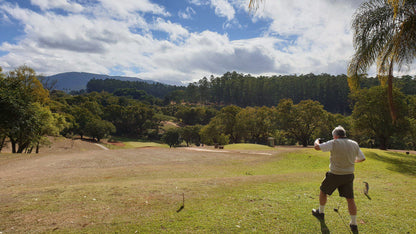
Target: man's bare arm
(316, 145)
(359, 160)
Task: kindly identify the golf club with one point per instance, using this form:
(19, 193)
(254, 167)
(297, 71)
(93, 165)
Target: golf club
(366, 188)
(183, 203)
(336, 211)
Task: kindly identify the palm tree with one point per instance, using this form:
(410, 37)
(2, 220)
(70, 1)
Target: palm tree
(254, 4)
(385, 33)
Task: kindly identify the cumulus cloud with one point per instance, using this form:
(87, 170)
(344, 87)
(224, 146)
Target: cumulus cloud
(175, 31)
(300, 36)
(58, 4)
(223, 9)
(125, 8)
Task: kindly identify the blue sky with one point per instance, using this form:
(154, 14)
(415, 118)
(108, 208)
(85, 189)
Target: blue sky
(177, 41)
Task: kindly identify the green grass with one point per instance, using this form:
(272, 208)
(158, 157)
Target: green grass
(132, 144)
(224, 193)
(244, 146)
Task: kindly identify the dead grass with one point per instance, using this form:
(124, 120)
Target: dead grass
(226, 191)
(72, 191)
(60, 145)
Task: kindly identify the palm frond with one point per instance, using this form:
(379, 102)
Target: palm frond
(254, 4)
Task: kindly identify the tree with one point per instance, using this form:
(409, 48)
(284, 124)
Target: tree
(225, 121)
(29, 88)
(31, 127)
(255, 124)
(190, 115)
(190, 134)
(210, 133)
(372, 119)
(172, 137)
(3, 132)
(24, 118)
(254, 4)
(302, 120)
(82, 116)
(384, 32)
(98, 129)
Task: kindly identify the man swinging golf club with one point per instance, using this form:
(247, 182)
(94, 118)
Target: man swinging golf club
(344, 154)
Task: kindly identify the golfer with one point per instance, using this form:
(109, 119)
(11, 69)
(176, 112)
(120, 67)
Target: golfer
(344, 153)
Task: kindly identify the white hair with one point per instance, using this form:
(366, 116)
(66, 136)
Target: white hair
(339, 132)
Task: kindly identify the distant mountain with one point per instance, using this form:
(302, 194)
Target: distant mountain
(73, 81)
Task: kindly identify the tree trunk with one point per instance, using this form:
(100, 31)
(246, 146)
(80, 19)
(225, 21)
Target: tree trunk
(392, 108)
(383, 143)
(305, 143)
(13, 145)
(20, 149)
(22, 146)
(2, 143)
(29, 150)
(37, 148)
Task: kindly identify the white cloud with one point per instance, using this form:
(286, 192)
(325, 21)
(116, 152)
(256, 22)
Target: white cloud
(223, 9)
(187, 14)
(199, 2)
(125, 8)
(317, 33)
(54, 4)
(302, 37)
(175, 31)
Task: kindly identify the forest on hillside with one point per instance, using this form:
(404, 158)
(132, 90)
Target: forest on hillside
(241, 90)
(234, 108)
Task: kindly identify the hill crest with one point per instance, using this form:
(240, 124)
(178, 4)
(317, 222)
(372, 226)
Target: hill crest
(74, 81)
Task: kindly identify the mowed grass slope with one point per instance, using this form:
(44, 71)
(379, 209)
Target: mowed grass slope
(235, 190)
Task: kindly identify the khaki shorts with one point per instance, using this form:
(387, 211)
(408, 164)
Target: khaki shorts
(344, 184)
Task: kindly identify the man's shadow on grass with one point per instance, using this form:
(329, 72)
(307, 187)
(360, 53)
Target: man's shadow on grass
(324, 228)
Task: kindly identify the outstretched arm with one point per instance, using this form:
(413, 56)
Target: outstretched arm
(316, 145)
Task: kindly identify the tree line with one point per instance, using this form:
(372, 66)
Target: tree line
(29, 113)
(242, 90)
(135, 89)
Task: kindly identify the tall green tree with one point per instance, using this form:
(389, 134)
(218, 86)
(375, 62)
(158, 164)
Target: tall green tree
(384, 33)
(372, 119)
(190, 134)
(211, 133)
(98, 129)
(225, 121)
(255, 124)
(301, 121)
(24, 117)
(172, 137)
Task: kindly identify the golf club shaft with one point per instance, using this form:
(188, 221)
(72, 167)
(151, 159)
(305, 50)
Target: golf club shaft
(344, 222)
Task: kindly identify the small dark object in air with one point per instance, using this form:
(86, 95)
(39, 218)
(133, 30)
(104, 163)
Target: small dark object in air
(183, 203)
(366, 188)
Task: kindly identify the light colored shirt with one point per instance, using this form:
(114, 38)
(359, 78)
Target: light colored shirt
(344, 152)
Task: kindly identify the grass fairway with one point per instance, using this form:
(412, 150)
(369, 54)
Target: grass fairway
(241, 190)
